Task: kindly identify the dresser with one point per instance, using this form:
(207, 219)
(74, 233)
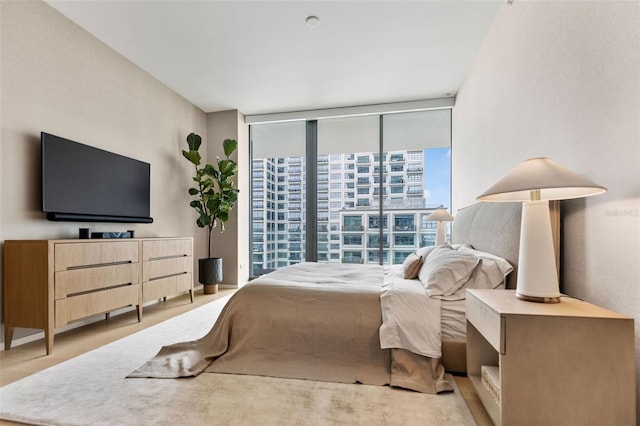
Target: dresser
(167, 267)
(570, 363)
(51, 283)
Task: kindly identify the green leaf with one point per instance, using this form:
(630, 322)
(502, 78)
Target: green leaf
(232, 197)
(213, 204)
(203, 220)
(209, 170)
(228, 168)
(206, 183)
(229, 145)
(194, 141)
(193, 156)
(211, 193)
(223, 216)
(193, 191)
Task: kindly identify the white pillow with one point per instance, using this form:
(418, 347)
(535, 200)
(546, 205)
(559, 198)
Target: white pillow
(446, 270)
(492, 272)
(459, 246)
(425, 251)
(411, 266)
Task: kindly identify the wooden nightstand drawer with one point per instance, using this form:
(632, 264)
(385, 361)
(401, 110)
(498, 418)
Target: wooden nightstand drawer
(487, 321)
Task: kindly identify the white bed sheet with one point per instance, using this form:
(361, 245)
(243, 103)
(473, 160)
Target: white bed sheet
(409, 315)
(410, 318)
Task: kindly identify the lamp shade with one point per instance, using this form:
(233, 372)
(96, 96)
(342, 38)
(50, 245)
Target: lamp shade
(439, 215)
(552, 180)
(535, 182)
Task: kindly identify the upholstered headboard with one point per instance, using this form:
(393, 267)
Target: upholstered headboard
(495, 228)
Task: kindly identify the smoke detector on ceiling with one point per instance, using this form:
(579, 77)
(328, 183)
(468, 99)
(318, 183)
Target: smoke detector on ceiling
(312, 21)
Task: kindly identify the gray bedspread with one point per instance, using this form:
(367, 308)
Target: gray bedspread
(306, 321)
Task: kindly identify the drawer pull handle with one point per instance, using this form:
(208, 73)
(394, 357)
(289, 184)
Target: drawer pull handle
(99, 265)
(168, 276)
(176, 256)
(80, 293)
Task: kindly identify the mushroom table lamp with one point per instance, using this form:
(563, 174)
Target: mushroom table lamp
(535, 182)
(441, 216)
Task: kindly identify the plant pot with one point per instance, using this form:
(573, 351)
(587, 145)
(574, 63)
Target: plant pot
(210, 274)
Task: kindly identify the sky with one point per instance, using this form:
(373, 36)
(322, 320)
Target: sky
(437, 176)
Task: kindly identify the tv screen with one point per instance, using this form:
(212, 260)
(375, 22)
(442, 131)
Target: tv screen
(81, 183)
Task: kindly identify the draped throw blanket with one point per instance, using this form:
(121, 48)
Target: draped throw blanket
(306, 321)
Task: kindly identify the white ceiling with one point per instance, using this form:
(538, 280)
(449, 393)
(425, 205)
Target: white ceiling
(260, 57)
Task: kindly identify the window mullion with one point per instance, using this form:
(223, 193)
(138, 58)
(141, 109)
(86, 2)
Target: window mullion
(311, 234)
(381, 189)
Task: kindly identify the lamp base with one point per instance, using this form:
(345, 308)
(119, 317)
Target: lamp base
(440, 233)
(537, 299)
(537, 273)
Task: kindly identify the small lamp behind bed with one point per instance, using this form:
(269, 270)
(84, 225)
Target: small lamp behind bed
(535, 182)
(440, 216)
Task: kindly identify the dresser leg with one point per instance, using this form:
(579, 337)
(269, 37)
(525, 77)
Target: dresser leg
(8, 336)
(139, 309)
(191, 295)
(48, 337)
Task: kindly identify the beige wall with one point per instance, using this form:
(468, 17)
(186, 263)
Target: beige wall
(232, 244)
(59, 79)
(562, 79)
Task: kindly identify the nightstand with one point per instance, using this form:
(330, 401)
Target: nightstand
(570, 363)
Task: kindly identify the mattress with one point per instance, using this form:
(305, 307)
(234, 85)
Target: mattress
(453, 320)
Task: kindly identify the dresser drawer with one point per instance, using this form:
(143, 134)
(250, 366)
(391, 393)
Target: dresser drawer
(162, 287)
(487, 321)
(166, 267)
(75, 281)
(85, 305)
(75, 255)
(166, 248)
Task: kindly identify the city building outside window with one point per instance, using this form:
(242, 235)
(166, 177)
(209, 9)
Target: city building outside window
(415, 181)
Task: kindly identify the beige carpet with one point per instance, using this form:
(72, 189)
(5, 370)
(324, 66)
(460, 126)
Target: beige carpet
(91, 390)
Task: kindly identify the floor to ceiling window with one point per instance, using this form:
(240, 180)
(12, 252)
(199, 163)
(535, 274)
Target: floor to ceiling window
(278, 195)
(372, 182)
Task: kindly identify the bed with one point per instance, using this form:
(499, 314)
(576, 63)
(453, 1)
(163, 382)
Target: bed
(348, 323)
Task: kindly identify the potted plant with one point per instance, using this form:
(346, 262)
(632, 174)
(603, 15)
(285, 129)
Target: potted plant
(215, 195)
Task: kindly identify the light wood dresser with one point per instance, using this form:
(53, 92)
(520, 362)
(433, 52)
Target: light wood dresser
(167, 268)
(570, 363)
(51, 283)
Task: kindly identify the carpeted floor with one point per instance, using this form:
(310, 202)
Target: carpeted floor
(91, 390)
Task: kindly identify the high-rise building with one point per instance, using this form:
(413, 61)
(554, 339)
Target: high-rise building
(352, 225)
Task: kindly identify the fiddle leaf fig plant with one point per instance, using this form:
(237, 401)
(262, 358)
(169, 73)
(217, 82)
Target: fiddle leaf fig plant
(215, 193)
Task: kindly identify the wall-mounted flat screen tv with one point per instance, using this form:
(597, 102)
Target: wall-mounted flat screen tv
(81, 183)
